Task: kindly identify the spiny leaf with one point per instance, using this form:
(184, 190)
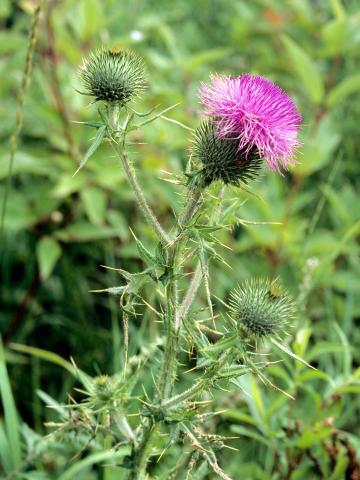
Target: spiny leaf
(150, 120)
(93, 147)
(176, 122)
(110, 290)
(144, 253)
(290, 353)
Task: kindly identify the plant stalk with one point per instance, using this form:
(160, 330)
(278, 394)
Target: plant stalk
(168, 374)
(169, 365)
(145, 208)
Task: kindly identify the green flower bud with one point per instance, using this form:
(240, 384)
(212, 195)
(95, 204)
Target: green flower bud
(261, 308)
(105, 390)
(113, 75)
(221, 158)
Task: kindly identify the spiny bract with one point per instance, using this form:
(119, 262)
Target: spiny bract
(221, 158)
(261, 307)
(114, 75)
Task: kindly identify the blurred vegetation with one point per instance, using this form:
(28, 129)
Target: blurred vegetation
(60, 229)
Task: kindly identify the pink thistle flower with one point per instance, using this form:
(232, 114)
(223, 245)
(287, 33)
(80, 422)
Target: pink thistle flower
(257, 112)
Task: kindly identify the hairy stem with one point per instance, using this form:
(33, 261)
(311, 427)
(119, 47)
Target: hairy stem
(198, 274)
(191, 292)
(168, 374)
(169, 364)
(143, 453)
(201, 384)
(140, 197)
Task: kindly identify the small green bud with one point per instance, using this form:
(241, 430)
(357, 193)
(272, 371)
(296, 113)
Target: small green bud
(105, 390)
(261, 308)
(113, 75)
(103, 387)
(221, 158)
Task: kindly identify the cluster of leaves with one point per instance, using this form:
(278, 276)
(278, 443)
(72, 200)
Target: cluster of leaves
(76, 222)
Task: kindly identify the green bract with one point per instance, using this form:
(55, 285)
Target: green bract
(114, 75)
(221, 158)
(261, 307)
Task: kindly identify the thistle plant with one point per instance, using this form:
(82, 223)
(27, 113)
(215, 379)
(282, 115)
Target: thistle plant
(249, 122)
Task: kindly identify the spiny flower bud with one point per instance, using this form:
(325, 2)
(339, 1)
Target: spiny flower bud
(103, 387)
(261, 308)
(104, 391)
(221, 158)
(113, 75)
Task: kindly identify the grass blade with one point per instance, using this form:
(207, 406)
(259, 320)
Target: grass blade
(10, 413)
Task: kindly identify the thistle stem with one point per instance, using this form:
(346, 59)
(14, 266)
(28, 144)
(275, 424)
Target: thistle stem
(113, 116)
(191, 292)
(169, 364)
(168, 374)
(143, 453)
(198, 274)
(186, 394)
(140, 197)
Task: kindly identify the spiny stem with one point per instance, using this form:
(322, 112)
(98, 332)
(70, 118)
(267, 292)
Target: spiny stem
(191, 292)
(143, 453)
(187, 394)
(198, 274)
(140, 197)
(192, 204)
(169, 365)
(19, 118)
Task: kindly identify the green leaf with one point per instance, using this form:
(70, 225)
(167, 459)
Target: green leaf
(290, 353)
(5, 449)
(334, 34)
(318, 149)
(312, 436)
(95, 204)
(239, 416)
(150, 120)
(338, 9)
(53, 358)
(144, 253)
(247, 432)
(10, 413)
(85, 232)
(90, 18)
(25, 163)
(347, 356)
(306, 69)
(343, 90)
(93, 147)
(193, 62)
(93, 459)
(48, 253)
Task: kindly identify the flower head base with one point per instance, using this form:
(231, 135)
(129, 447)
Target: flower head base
(113, 75)
(261, 308)
(257, 113)
(221, 158)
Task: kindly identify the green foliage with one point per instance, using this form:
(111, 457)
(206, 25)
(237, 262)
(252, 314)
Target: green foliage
(303, 228)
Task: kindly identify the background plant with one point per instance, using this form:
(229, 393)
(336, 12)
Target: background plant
(50, 309)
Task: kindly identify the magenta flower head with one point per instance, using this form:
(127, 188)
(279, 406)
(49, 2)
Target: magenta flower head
(257, 113)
